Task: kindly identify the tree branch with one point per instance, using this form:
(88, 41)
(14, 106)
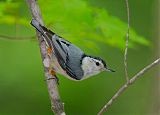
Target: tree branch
(57, 105)
(126, 85)
(127, 39)
(134, 78)
(17, 37)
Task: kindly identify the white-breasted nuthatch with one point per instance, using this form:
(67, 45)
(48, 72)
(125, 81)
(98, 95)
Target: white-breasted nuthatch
(68, 59)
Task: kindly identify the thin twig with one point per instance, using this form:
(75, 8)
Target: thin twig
(57, 105)
(17, 37)
(127, 39)
(134, 78)
(20, 37)
(126, 85)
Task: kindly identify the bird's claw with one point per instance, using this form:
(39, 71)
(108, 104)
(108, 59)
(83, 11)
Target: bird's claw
(53, 77)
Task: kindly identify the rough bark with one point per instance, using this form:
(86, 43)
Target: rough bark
(56, 104)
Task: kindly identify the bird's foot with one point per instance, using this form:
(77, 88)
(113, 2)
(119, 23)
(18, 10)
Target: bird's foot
(52, 75)
(49, 50)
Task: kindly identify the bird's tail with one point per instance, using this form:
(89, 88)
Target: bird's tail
(43, 30)
(36, 24)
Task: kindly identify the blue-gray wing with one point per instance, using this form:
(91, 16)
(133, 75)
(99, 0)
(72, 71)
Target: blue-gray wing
(69, 57)
(74, 59)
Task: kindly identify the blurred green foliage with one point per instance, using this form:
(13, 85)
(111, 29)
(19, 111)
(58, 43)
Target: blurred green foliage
(75, 20)
(99, 28)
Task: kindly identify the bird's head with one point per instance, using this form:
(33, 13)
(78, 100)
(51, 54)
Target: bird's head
(94, 65)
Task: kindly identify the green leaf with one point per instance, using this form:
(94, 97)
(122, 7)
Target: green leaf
(75, 20)
(82, 21)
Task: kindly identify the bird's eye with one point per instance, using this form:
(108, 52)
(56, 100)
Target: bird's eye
(97, 63)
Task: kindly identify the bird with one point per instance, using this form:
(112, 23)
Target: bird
(68, 59)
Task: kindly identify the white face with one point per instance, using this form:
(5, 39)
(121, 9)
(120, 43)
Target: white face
(91, 66)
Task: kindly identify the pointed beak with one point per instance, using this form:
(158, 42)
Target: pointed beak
(109, 69)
